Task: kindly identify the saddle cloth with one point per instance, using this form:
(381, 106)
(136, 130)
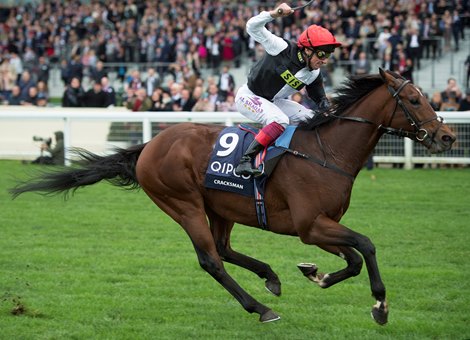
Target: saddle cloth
(229, 148)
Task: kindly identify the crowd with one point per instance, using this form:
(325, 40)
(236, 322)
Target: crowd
(171, 42)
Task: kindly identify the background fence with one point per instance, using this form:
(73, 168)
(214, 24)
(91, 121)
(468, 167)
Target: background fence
(99, 130)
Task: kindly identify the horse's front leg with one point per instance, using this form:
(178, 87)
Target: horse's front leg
(325, 231)
(210, 261)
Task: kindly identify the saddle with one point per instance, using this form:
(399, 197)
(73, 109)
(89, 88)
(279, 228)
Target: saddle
(228, 149)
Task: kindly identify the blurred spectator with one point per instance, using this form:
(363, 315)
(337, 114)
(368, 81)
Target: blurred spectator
(43, 94)
(414, 47)
(429, 33)
(74, 68)
(31, 98)
(110, 92)
(15, 97)
(452, 103)
(73, 94)
(64, 72)
(228, 105)
(186, 102)
(29, 58)
(156, 98)
(175, 92)
(382, 41)
(139, 101)
(95, 97)
(387, 62)
(465, 102)
(7, 78)
(445, 25)
(451, 91)
(25, 83)
(98, 72)
(41, 70)
(133, 81)
(152, 82)
(405, 66)
(237, 44)
(214, 49)
(15, 60)
(164, 102)
(203, 104)
(226, 83)
(456, 28)
(436, 101)
(362, 65)
(213, 96)
(228, 54)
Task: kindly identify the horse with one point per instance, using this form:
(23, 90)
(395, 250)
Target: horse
(305, 197)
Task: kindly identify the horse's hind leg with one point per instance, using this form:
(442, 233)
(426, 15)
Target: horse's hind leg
(353, 259)
(221, 230)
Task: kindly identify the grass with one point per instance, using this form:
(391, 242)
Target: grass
(108, 264)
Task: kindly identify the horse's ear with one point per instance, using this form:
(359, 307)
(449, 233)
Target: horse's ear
(382, 73)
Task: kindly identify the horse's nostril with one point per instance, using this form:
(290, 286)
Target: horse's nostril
(448, 139)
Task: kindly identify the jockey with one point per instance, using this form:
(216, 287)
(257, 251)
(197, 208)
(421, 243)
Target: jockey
(284, 69)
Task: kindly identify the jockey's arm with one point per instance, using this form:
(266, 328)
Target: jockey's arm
(270, 42)
(316, 92)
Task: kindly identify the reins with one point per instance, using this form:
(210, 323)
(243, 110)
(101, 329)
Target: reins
(420, 134)
(323, 163)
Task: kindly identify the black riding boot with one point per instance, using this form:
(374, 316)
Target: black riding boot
(244, 167)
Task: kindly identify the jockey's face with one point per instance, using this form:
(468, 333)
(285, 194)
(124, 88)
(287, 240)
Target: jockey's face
(316, 58)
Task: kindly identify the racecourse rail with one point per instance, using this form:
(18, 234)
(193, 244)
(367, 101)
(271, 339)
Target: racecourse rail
(89, 128)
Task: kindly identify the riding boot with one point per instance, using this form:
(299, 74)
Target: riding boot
(244, 167)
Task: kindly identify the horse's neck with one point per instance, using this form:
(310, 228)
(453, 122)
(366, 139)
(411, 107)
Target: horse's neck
(349, 143)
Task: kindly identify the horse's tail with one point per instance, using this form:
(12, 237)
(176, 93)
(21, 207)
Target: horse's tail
(117, 168)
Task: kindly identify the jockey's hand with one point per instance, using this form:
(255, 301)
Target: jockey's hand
(283, 10)
(323, 104)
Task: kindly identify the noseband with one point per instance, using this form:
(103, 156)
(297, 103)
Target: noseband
(420, 134)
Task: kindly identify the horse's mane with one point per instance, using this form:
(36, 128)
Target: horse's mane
(350, 91)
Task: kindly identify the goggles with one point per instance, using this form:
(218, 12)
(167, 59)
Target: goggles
(322, 55)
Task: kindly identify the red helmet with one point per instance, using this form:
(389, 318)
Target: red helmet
(315, 36)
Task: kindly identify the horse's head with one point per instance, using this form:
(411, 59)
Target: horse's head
(414, 117)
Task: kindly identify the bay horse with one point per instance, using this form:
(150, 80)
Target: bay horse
(304, 197)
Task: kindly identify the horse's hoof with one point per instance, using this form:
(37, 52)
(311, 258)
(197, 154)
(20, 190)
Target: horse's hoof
(380, 312)
(308, 269)
(273, 287)
(269, 316)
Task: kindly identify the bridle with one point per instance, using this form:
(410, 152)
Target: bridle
(420, 134)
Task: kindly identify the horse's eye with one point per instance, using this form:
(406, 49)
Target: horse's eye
(414, 101)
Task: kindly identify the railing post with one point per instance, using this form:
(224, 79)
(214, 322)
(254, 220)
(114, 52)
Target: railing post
(433, 81)
(146, 130)
(67, 143)
(408, 154)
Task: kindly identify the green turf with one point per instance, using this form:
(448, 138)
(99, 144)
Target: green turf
(107, 264)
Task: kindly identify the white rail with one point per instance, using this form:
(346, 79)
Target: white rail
(91, 126)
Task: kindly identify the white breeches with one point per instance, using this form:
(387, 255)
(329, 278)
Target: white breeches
(282, 111)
